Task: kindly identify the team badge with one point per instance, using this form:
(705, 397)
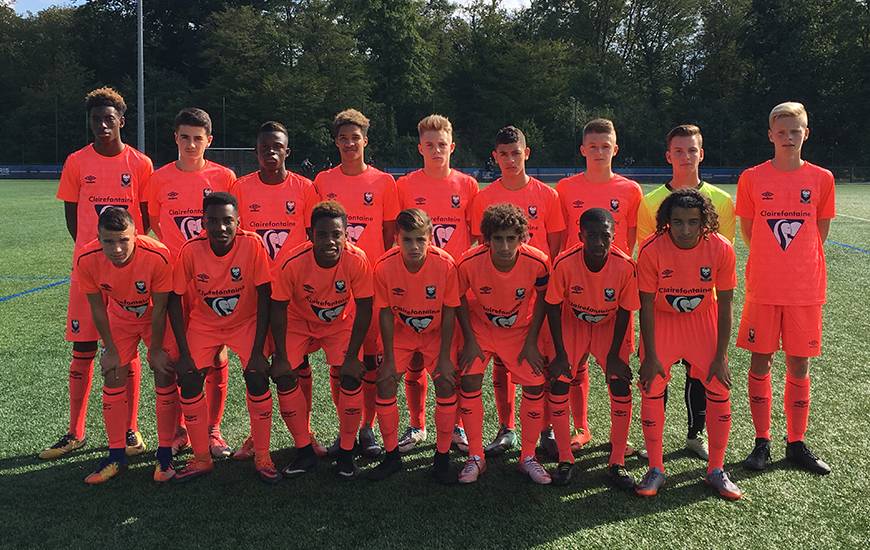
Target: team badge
(706, 274)
(126, 179)
(74, 326)
(609, 295)
(441, 233)
(805, 196)
(368, 198)
(614, 205)
(455, 201)
(520, 293)
(206, 192)
(751, 336)
(785, 231)
(340, 287)
(684, 304)
(430, 292)
(236, 273)
(140, 287)
(533, 211)
(273, 239)
(190, 226)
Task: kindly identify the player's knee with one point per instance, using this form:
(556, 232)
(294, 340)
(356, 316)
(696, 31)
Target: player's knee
(349, 383)
(285, 383)
(444, 388)
(533, 390)
(256, 383)
(84, 347)
(760, 363)
(559, 388)
(387, 389)
(471, 383)
(191, 384)
(162, 380)
(371, 362)
(305, 364)
(619, 388)
(798, 367)
(117, 378)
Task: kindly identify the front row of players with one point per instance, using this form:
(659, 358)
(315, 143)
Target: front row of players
(491, 303)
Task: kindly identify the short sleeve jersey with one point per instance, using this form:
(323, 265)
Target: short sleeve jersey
(96, 182)
(593, 297)
(504, 300)
(786, 263)
(538, 201)
(683, 280)
(225, 285)
(721, 200)
(129, 286)
(322, 295)
(416, 299)
(620, 196)
(369, 198)
(447, 201)
(175, 200)
(279, 213)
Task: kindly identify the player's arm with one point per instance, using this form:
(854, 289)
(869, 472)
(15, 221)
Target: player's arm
(746, 229)
(650, 367)
(470, 348)
(554, 242)
(719, 367)
(71, 214)
(278, 324)
(559, 365)
(156, 355)
(389, 234)
(352, 366)
(615, 367)
(631, 240)
(385, 321)
(258, 362)
(824, 228)
(146, 219)
(445, 367)
(176, 320)
(110, 362)
(530, 351)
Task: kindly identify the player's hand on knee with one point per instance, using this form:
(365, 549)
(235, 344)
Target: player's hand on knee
(281, 367)
(470, 351)
(650, 367)
(353, 368)
(158, 360)
(110, 364)
(617, 368)
(532, 355)
(559, 367)
(719, 369)
(258, 364)
(184, 366)
(445, 370)
(387, 372)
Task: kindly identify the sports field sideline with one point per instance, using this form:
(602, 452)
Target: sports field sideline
(45, 504)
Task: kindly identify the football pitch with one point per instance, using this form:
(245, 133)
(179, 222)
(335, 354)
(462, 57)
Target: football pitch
(46, 504)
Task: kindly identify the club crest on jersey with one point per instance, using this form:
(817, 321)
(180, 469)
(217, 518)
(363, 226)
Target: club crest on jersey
(140, 287)
(273, 239)
(441, 233)
(706, 274)
(486, 290)
(126, 179)
(223, 306)
(74, 326)
(785, 231)
(418, 324)
(90, 179)
(290, 207)
(430, 292)
(502, 321)
(398, 291)
(805, 196)
(340, 287)
(455, 201)
(684, 304)
(368, 198)
(588, 317)
(614, 205)
(609, 295)
(190, 226)
(206, 192)
(751, 336)
(520, 293)
(355, 231)
(533, 211)
(236, 273)
(139, 311)
(328, 314)
(576, 289)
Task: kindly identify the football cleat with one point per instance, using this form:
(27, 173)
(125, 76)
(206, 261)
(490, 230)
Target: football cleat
(319, 450)
(698, 446)
(106, 470)
(305, 461)
(460, 440)
(532, 468)
(246, 451)
(217, 445)
(181, 442)
(135, 443)
(801, 456)
(162, 475)
(194, 468)
(266, 469)
(548, 444)
(759, 458)
(345, 467)
(441, 469)
(563, 473)
(619, 477)
(718, 480)
(65, 445)
(652, 481)
(580, 438)
(368, 443)
(411, 438)
(505, 439)
(391, 464)
(474, 467)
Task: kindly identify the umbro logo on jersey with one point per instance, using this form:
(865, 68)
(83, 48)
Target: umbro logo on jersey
(355, 231)
(328, 314)
(814, 343)
(206, 192)
(420, 201)
(767, 196)
(684, 304)
(486, 290)
(806, 194)
(90, 179)
(398, 291)
(190, 226)
(74, 326)
(419, 324)
(455, 201)
(223, 305)
(340, 287)
(106, 286)
(578, 204)
(520, 293)
(533, 211)
(254, 207)
(785, 231)
(331, 196)
(430, 292)
(614, 205)
(441, 232)
(140, 287)
(126, 179)
(368, 198)
(236, 273)
(588, 317)
(290, 207)
(609, 295)
(308, 288)
(100, 208)
(576, 289)
(502, 321)
(138, 310)
(667, 273)
(751, 337)
(706, 274)
(172, 195)
(273, 239)
(202, 277)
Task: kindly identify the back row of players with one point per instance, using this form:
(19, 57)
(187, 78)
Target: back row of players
(260, 265)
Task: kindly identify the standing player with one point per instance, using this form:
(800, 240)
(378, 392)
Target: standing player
(105, 173)
(684, 153)
(175, 198)
(592, 292)
(597, 187)
(540, 204)
(369, 198)
(135, 273)
(785, 207)
(275, 204)
(329, 282)
(686, 278)
(508, 278)
(446, 196)
(416, 293)
(229, 271)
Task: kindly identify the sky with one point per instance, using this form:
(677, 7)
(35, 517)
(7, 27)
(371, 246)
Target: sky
(23, 6)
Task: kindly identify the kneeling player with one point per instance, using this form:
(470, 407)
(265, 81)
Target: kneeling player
(329, 283)
(597, 284)
(686, 279)
(508, 279)
(416, 293)
(135, 272)
(229, 271)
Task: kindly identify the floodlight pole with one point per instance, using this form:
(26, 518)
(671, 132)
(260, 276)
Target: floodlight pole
(140, 84)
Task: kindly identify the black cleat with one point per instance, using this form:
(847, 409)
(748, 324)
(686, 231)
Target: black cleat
(619, 477)
(345, 468)
(391, 464)
(305, 462)
(801, 456)
(563, 474)
(759, 458)
(441, 471)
